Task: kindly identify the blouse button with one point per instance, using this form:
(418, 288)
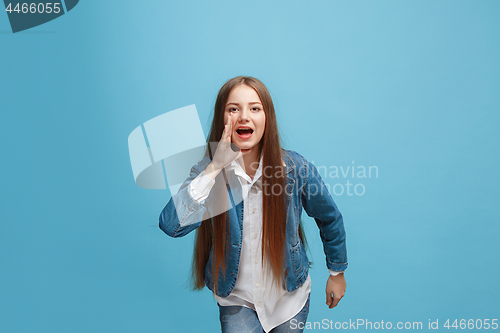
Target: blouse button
(253, 210)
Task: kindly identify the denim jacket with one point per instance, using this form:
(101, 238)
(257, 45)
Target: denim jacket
(305, 189)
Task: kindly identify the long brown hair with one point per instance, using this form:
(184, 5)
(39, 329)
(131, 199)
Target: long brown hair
(215, 236)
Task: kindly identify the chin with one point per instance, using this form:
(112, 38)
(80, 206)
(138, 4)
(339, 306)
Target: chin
(246, 147)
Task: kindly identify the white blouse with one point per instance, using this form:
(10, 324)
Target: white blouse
(254, 287)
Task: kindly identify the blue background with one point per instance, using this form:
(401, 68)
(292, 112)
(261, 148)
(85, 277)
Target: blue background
(411, 87)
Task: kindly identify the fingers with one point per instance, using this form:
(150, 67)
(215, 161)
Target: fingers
(224, 134)
(230, 127)
(329, 299)
(332, 300)
(335, 301)
(227, 131)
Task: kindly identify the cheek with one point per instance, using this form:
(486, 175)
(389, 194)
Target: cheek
(262, 124)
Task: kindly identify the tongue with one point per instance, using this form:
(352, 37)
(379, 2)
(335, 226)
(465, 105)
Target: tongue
(245, 134)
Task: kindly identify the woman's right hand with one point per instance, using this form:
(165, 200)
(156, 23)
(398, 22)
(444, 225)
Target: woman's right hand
(224, 154)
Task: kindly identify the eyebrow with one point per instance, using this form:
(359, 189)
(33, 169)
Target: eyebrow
(248, 103)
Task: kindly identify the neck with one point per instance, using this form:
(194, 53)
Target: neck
(251, 161)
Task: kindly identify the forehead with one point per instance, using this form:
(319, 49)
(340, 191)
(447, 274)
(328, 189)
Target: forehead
(243, 94)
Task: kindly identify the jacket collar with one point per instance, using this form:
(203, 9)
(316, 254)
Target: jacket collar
(288, 162)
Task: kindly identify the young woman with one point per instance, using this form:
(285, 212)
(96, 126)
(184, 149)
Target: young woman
(245, 199)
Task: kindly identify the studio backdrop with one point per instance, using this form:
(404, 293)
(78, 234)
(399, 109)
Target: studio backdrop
(395, 102)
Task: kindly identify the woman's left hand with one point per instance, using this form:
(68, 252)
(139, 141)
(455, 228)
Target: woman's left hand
(335, 289)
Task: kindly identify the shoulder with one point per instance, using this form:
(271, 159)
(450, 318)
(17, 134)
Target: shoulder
(294, 157)
(295, 162)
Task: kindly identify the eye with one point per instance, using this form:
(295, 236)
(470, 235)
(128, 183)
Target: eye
(255, 108)
(232, 109)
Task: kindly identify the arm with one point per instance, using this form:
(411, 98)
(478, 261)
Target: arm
(185, 209)
(319, 204)
(200, 187)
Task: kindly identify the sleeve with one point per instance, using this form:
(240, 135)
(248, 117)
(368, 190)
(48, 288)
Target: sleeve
(200, 187)
(319, 204)
(334, 273)
(183, 213)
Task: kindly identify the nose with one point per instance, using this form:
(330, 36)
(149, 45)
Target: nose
(244, 115)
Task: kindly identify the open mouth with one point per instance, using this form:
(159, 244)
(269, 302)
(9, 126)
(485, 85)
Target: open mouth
(244, 133)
